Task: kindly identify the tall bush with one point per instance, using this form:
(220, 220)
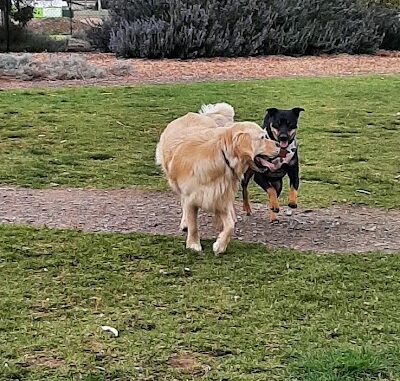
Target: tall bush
(388, 3)
(228, 28)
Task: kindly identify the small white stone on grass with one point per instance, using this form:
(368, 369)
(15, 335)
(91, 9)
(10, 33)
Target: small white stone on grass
(107, 328)
(363, 191)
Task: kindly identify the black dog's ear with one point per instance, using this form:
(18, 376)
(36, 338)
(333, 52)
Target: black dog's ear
(297, 110)
(272, 111)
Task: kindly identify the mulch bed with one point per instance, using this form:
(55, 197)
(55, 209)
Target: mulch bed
(169, 70)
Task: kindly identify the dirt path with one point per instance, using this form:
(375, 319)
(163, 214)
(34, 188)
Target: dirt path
(335, 229)
(171, 70)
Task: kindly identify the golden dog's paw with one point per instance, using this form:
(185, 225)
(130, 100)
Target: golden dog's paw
(219, 247)
(194, 246)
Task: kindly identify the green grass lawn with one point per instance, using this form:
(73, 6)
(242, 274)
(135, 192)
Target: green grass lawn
(252, 314)
(105, 137)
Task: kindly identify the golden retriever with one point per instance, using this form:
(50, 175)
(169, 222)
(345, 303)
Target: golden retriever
(204, 156)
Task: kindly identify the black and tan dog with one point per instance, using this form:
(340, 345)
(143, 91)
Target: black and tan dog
(281, 126)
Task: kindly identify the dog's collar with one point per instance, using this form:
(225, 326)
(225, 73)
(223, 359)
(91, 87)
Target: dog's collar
(227, 162)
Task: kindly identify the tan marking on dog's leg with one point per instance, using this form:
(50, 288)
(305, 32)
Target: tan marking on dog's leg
(246, 203)
(224, 237)
(273, 217)
(273, 204)
(292, 198)
(273, 201)
(193, 238)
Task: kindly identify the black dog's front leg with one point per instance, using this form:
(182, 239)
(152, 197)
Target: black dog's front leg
(294, 179)
(273, 189)
(245, 193)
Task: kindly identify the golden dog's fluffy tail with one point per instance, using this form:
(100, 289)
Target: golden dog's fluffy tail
(159, 155)
(222, 113)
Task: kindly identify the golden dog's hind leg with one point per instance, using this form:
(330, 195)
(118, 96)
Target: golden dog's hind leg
(273, 204)
(193, 238)
(218, 222)
(183, 225)
(224, 237)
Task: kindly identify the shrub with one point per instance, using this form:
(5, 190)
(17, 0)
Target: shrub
(99, 36)
(26, 67)
(387, 3)
(391, 40)
(390, 28)
(23, 40)
(208, 28)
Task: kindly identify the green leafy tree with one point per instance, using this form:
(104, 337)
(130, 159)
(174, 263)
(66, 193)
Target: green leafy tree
(20, 11)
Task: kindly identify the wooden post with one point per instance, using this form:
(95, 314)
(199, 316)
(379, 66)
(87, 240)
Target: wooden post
(70, 16)
(7, 20)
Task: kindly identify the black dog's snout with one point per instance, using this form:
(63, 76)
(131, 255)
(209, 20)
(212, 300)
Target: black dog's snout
(284, 137)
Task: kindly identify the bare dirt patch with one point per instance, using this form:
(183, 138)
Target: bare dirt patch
(186, 362)
(340, 228)
(170, 70)
(41, 360)
(191, 363)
